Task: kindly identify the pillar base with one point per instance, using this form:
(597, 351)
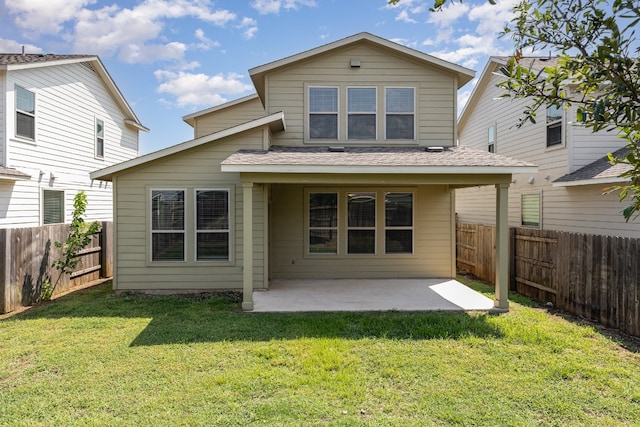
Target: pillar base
(247, 306)
(502, 305)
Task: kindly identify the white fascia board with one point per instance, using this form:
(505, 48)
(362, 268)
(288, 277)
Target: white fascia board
(594, 181)
(390, 170)
(41, 64)
(106, 173)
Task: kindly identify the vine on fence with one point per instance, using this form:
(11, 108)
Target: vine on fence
(79, 237)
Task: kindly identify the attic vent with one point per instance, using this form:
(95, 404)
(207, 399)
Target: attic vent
(355, 62)
(336, 149)
(434, 149)
(89, 66)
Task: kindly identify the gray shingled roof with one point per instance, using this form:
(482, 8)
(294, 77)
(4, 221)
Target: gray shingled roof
(537, 63)
(371, 156)
(600, 169)
(12, 174)
(34, 58)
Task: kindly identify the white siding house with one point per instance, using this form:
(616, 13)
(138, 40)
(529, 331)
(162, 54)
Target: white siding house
(61, 116)
(566, 194)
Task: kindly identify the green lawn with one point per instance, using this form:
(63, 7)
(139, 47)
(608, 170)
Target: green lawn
(94, 359)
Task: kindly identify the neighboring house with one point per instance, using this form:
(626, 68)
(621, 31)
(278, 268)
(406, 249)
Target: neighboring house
(357, 184)
(61, 116)
(567, 192)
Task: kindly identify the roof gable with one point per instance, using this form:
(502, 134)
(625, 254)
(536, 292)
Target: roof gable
(9, 62)
(258, 74)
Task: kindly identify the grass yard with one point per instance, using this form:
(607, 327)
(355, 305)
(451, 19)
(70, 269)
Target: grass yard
(93, 359)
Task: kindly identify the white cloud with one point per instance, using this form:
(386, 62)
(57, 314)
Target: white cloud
(492, 18)
(12, 46)
(266, 7)
(249, 27)
(45, 16)
(134, 34)
(407, 9)
(197, 90)
(205, 42)
(449, 14)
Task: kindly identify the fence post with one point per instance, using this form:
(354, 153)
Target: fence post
(5, 273)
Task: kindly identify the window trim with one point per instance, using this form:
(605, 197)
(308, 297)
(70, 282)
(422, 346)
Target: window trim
(342, 225)
(374, 113)
(403, 227)
(555, 123)
(229, 230)
(492, 146)
(26, 113)
(42, 207)
(99, 138)
(413, 113)
(522, 197)
(309, 113)
(152, 231)
(309, 228)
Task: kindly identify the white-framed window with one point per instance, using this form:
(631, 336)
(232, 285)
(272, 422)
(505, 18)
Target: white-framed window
(361, 112)
(530, 205)
(99, 137)
(491, 138)
(398, 223)
(323, 223)
(167, 225)
(25, 113)
(52, 207)
(400, 113)
(554, 125)
(213, 224)
(361, 223)
(323, 112)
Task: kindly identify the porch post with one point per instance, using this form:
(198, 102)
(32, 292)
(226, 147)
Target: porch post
(502, 247)
(247, 243)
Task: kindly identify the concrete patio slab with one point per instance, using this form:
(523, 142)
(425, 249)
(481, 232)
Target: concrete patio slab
(369, 295)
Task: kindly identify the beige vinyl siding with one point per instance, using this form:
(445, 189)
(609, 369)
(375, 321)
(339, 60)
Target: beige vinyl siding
(69, 98)
(587, 147)
(225, 118)
(196, 168)
(432, 239)
(435, 93)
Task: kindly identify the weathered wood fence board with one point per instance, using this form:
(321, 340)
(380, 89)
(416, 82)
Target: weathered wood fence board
(596, 277)
(26, 255)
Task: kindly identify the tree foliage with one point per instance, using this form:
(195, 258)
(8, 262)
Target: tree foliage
(79, 237)
(598, 70)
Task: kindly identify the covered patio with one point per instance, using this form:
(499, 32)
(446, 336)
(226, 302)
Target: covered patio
(370, 295)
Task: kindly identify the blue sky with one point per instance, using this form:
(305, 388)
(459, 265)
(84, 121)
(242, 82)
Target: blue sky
(174, 57)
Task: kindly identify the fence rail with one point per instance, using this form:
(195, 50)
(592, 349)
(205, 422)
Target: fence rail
(26, 255)
(596, 277)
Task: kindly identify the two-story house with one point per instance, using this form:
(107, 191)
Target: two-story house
(61, 117)
(573, 169)
(341, 165)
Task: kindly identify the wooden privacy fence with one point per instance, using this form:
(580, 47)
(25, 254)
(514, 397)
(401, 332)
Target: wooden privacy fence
(26, 255)
(596, 277)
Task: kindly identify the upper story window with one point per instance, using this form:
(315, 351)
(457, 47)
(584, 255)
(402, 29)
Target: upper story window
(25, 113)
(323, 112)
(554, 125)
(400, 112)
(361, 106)
(99, 138)
(491, 139)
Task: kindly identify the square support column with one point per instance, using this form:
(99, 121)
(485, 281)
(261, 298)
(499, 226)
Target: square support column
(502, 247)
(247, 246)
